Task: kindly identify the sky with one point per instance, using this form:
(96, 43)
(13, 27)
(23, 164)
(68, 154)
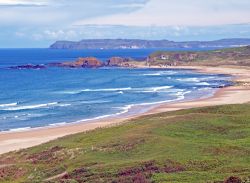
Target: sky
(39, 23)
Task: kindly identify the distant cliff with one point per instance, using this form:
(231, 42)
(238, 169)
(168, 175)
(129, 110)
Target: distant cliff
(137, 43)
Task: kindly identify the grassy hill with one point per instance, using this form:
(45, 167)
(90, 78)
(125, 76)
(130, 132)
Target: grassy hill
(196, 145)
(230, 56)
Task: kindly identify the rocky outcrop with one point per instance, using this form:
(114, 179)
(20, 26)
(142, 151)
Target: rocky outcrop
(88, 62)
(92, 62)
(117, 62)
(28, 66)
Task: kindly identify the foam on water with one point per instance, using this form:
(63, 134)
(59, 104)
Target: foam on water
(189, 79)
(203, 83)
(95, 90)
(58, 124)
(95, 102)
(160, 73)
(8, 105)
(19, 129)
(36, 106)
(79, 95)
(122, 90)
(106, 89)
(156, 89)
(56, 96)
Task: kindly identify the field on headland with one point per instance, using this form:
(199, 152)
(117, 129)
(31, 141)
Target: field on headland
(229, 56)
(196, 145)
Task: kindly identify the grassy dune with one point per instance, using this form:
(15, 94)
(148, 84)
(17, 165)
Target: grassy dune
(229, 56)
(196, 145)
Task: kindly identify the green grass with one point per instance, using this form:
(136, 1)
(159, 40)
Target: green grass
(196, 145)
(239, 56)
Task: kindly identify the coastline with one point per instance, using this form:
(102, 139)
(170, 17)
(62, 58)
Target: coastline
(230, 95)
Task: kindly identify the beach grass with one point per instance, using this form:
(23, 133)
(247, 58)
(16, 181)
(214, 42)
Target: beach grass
(207, 144)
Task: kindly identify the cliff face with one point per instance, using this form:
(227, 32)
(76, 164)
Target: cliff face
(137, 43)
(110, 44)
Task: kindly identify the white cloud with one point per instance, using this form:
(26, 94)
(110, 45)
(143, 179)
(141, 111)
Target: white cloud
(60, 12)
(40, 22)
(127, 12)
(20, 34)
(50, 35)
(60, 34)
(37, 37)
(180, 12)
(132, 5)
(23, 2)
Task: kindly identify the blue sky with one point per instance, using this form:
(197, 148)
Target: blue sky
(38, 23)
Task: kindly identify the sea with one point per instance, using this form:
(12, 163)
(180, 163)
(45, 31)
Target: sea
(59, 96)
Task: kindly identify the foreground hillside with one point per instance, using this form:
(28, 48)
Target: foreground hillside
(197, 145)
(230, 56)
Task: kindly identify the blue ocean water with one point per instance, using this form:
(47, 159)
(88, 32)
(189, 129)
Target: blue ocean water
(55, 96)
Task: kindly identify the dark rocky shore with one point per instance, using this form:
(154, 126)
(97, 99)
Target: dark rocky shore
(28, 66)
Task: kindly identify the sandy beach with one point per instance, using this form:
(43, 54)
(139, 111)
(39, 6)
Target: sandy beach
(240, 93)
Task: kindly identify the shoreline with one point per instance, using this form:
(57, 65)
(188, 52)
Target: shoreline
(11, 140)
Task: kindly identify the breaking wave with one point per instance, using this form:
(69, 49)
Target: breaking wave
(36, 106)
(121, 90)
(8, 105)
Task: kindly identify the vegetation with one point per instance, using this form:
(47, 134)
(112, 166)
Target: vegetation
(230, 56)
(209, 144)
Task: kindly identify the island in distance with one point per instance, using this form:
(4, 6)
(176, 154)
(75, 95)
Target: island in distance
(139, 44)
